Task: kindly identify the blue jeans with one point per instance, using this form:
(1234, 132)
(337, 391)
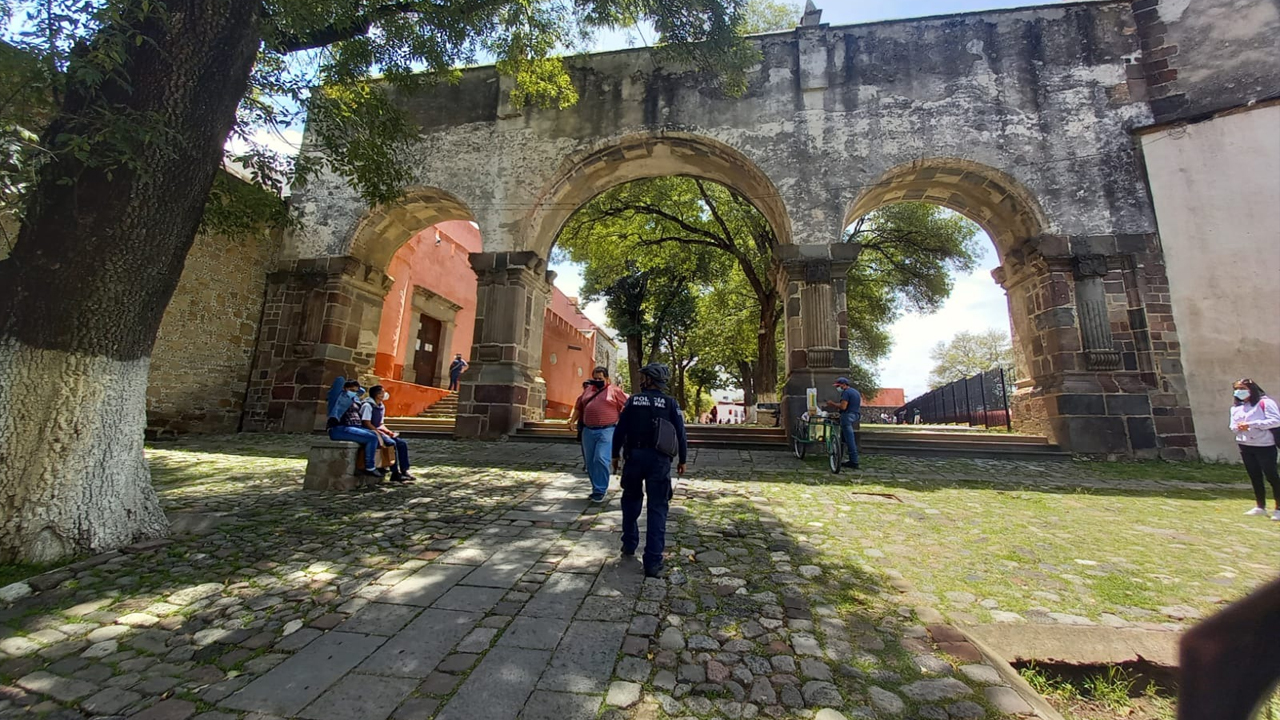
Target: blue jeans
(367, 438)
(647, 473)
(846, 434)
(453, 381)
(402, 454)
(597, 448)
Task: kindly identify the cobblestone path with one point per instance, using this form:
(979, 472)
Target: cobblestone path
(476, 593)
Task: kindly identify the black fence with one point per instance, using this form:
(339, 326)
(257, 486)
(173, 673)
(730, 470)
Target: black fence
(979, 400)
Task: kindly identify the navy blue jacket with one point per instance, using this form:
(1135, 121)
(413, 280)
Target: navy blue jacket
(635, 424)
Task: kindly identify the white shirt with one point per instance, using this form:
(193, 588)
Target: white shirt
(1261, 418)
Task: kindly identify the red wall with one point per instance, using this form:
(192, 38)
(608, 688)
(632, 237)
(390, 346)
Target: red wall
(408, 399)
(444, 269)
(572, 367)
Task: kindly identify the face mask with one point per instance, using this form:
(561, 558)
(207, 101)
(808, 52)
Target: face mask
(597, 384)
(353, 394)
(1241, 394)
(385, 397)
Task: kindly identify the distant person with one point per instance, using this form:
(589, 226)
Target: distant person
(850, 407)
(916, 417)
(344, 423)
(650, 435)
(715, 415)
(597, 411)
(456, 368)
(1253, 416)
(373, 413)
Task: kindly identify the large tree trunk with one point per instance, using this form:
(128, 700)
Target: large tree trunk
(634, 357)
(748, 373)
(96, 262)
(766, 368)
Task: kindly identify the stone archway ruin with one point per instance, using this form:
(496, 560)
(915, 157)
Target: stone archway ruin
(835, 121)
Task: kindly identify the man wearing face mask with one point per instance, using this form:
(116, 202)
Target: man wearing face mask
(344, 423)
(597, 410)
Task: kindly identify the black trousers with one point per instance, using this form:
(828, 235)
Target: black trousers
(1260, 461)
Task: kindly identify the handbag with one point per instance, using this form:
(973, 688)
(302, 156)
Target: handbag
(664, 437)
(386, 456)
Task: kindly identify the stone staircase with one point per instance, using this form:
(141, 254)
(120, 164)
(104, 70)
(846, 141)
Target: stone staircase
(871, 439)
(444, 409)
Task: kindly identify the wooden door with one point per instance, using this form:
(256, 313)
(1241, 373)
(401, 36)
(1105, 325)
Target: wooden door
(426, 357)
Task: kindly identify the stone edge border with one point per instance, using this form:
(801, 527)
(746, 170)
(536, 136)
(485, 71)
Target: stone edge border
(1037, 702)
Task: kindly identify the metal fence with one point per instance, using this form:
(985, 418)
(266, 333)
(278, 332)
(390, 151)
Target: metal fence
(979, 400)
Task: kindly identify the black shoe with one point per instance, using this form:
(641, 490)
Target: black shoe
(368, 473)
(850, 465)
(381, 471)
(628, 553)
(403, 478)
(653, 572)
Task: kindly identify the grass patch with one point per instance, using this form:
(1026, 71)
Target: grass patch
(15, 572)
(1197, 472)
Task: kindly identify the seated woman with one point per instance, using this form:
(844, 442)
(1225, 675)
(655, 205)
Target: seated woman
(344, 423)
(373, 414)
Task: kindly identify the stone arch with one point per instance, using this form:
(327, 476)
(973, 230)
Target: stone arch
(997, 202)
(607, 164)
(385, 228)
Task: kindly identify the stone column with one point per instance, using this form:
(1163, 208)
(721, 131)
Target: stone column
(321, 320)
(499, 392)
(1091, 302)
(813, 279)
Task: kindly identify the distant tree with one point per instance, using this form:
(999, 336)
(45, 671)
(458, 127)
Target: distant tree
(968, 354)
(762, 16)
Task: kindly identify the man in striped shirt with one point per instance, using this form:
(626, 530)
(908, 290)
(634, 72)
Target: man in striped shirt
(598, 409)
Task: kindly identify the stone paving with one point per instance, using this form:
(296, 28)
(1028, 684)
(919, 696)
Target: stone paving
(477, 592)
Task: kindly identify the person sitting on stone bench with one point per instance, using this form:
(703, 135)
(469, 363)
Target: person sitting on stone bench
(373, 412)
(344, 423)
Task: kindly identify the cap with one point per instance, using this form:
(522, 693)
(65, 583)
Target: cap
(841, 381)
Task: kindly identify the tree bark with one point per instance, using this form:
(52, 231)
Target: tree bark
(765, 382)
(634, 345)
(95, 264)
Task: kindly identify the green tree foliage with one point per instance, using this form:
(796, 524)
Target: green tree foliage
(764, 16)
(910, 254)
(968, 354)
(318, 59)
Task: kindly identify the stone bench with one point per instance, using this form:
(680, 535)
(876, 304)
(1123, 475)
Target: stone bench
(331, 465)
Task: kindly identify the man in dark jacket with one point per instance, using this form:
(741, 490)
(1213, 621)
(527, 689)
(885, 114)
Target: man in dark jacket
(649, 448)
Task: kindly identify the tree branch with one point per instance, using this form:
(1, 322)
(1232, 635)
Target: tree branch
(348, 29)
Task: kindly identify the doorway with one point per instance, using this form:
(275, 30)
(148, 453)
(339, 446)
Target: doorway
(426, 354)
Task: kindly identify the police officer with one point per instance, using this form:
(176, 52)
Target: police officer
(648, 469)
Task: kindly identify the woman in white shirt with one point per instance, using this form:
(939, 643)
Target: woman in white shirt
(1253, 415)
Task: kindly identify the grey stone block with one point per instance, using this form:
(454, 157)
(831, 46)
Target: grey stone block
(425, 586)
(499, 687)
(545, 705)
(360, 697)
(295, 683)
(584, 661)
(474, 599)
(502, 570)
(380, 619)
(559, 597)
(534, 633)
(415, 651)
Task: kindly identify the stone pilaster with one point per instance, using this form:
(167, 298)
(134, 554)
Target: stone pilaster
(501, 389)
(1090, 376)
(813, 281)
(320, 321)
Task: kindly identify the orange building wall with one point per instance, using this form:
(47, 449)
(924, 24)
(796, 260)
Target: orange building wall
(444, 269)
(887, 397)
(564, 378)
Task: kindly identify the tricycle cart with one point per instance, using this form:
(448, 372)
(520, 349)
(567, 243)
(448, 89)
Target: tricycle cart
(808, 430)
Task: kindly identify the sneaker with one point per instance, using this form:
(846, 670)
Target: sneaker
(368, 473)
(1276, 516)
(596, 498)
(850, 465)
(654, 572)
(628, 553)
(1258, 511)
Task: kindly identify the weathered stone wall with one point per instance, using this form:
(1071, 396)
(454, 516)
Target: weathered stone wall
(201, 362)
(1203, 56)
(1041, 94)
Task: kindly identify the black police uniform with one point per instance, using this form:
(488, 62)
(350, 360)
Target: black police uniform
(647, 471)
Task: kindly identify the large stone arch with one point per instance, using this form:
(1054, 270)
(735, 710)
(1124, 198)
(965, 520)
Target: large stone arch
(382, 230)
(1086, 368)
(616, 161)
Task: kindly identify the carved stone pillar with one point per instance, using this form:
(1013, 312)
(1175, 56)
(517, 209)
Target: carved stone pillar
(1091, 302)
(321, 320)
(813, 281)
(500, 389)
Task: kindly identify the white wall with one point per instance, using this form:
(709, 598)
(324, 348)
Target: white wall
(1216, 187)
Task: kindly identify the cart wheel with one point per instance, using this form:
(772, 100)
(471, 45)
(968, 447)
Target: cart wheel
(835, 449)
(798, 444)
